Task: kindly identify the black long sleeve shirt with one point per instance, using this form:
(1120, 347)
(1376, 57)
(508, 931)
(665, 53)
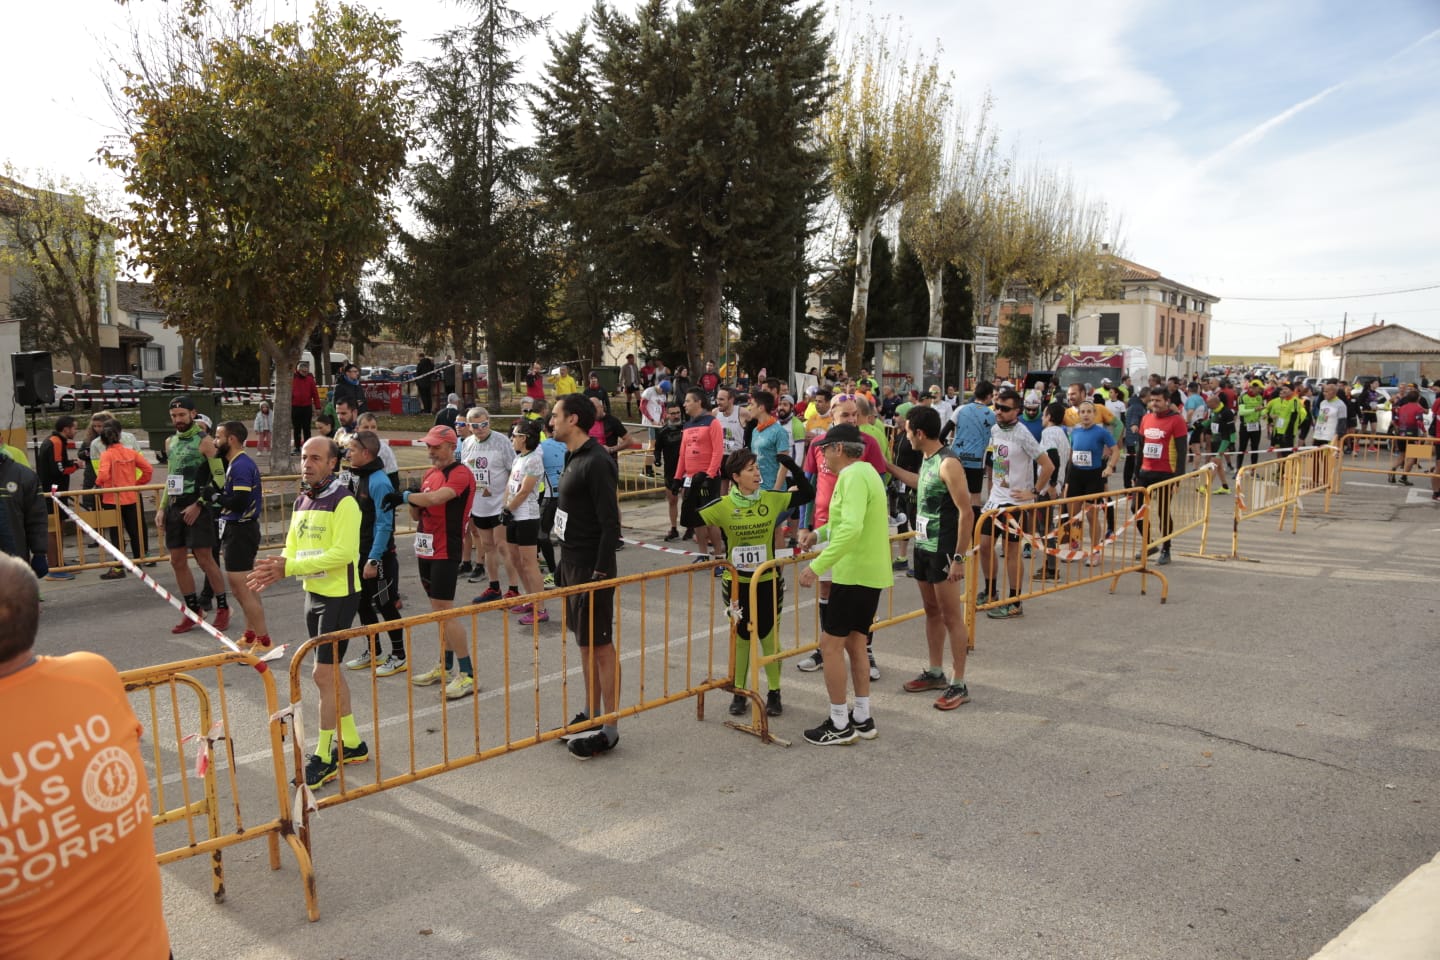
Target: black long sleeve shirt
(589, 501)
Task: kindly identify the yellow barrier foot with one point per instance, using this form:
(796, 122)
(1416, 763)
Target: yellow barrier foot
(759, 725)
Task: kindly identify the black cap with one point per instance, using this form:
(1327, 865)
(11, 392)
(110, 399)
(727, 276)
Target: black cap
(182, 401)
(842, 433)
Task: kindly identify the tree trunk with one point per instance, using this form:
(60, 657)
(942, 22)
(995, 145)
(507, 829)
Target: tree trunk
(711, 340)
(284, 357)
(187, 360)
(935, 283)
(207, 355)
(860, 305)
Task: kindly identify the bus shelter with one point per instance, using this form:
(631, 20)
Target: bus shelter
(919, 363)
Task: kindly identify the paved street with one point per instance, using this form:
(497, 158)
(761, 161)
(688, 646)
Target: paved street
(1238, 773)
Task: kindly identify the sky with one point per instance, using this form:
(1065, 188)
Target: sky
(1281, 156)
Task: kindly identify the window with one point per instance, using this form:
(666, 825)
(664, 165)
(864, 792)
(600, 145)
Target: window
(1199, 306)
(1201, 347)
(1193, 327)
(1062, 329)
(154, 359)
(1109, 329)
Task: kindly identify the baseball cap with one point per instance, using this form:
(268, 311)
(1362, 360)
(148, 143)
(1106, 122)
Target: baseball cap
(1106, 381)
(841, 433)
(438, 435)
(1008, 384)
(934, 391)
(1032, 399)
(664, 386)
(182, 401)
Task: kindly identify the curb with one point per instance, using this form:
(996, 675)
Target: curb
(1403, 925)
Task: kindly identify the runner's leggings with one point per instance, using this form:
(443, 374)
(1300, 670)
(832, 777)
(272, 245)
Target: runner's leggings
(766, 619)
(1250, 439)
(1160, 504)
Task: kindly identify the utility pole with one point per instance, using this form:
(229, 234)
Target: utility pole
(1344, 325)
(791, 371)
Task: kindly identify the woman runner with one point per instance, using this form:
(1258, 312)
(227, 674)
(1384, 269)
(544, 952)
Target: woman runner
(748, 515)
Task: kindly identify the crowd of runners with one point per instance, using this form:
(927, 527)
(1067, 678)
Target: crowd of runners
(749, 473)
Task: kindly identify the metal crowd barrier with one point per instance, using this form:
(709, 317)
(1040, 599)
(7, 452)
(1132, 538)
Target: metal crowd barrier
(1384, 453)
(634, 481)
(1176, 506)
(1059, 534)
(276, 505)
(1278, 485)
(524, 676)
(198, 743)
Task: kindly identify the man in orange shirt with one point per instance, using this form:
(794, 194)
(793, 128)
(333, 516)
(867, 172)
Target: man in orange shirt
(78, 876)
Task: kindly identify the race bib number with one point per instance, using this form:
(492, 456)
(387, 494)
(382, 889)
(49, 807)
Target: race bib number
(175, 484)
(1214, 428)
(482, 476)
(1154, 451)
(1081, 458)
(922, 527)
(346, 478)
(310, 555)
(514, 487)
(1281, 423)
(688, 481)
(424, 544)
(747, 559)
(1252, 427)
(557, 530)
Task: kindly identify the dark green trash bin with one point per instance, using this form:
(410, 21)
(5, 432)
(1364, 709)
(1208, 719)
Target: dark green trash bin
(155, 415)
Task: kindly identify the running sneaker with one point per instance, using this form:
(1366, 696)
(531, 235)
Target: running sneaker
(739, 705)
(320, 770)
(430, 677)
(874, 668)
(927, 681)
(59, 575)
(583, 748)
(542, 616)
(462, 686)
(465, 567)
(1095, 560)
(810, 663)
(522, 608)
(356, 754)
(581, 725)
(672, 535)
(1008, 611)
(511, 594)
(549, 580)
(490, 594)
(1223, 489)
(361, 662)
(476, 575)
(954, 695)
(773, 706)
(1025, 554)
(222, 619)
(689, 534)
(1163, 559)
(114, 573)
(864, 730)
(828, 735)
(393, 664)
(899, 563)
(186, 625)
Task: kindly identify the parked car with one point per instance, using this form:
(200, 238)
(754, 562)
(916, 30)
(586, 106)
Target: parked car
(63, 399)
(405, 372)
(171, 381)
(378, 374)
(122, 391)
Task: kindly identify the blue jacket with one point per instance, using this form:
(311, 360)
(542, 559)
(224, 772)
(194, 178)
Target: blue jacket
(972, 433)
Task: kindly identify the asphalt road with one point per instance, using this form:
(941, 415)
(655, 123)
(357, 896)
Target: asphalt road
(1238, 773)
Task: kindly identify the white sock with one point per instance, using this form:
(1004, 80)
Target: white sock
(862, 709)
(839, 716)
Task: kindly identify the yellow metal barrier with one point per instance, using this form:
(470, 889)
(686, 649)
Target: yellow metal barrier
(1176, 506)
(526, 671)
(634, 481)
(194, 822)
(1390, 455)
(1278, 485)
(1062, 538)
(759, 724)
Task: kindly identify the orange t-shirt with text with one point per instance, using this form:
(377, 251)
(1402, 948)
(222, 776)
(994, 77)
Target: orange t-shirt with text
(77, 849)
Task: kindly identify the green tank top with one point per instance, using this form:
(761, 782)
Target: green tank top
(749, 527)
(937, 518)
(187, 462)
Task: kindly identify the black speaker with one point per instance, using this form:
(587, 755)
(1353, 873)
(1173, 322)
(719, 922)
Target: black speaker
(34, 378)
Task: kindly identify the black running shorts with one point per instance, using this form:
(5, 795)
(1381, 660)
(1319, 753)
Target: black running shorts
(851, 609)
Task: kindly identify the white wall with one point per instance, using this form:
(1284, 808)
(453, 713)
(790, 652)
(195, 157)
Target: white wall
(11, 415)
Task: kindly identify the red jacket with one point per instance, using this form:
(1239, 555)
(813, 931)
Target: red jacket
(303, 391)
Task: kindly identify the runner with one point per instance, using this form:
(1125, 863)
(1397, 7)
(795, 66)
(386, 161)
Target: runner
(1222, 431)
(489, 455)
(1012, 481)
(943, 526)
(239, 501)
(652, 414)
(748, 515)
(1285, 414)
(1093, 457)
(521, 516)
(854, 539)
(587, 524)
(380, 572)
(666, 446)
(1162, 434)
(1408, 421)
(184, 517)
(439, 510)
(729, 416)
(701, 451)
(322, 549)
(1250, 408)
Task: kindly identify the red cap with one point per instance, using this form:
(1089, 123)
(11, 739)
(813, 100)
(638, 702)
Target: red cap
(440, 434)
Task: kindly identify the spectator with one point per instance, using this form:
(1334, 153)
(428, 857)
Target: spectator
(103, 899)
(594, 391)
(425, 382)
(449, 413)
(564, 383)
(535, 382)
(348, 388)
(304, 401)
(264, 423)
(122, 467)
(630, 380)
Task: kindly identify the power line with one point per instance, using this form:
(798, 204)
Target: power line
(1344, 296)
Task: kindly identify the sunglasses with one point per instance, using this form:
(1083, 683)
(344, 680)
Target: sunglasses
(1000, 409)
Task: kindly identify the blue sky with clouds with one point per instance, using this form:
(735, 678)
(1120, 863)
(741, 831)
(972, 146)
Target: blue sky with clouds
(1271, 149)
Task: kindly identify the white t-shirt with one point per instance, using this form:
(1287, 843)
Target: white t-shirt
(489, 460)
(387, 457)
(652, 407)
(1055, 438)
(530, 464)
(1327, 418)
(730, 423)
(1013, 467)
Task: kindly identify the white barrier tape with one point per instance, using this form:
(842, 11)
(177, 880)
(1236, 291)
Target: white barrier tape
(130, 565)
(663, 549)
(207, 743)
(304, 800)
